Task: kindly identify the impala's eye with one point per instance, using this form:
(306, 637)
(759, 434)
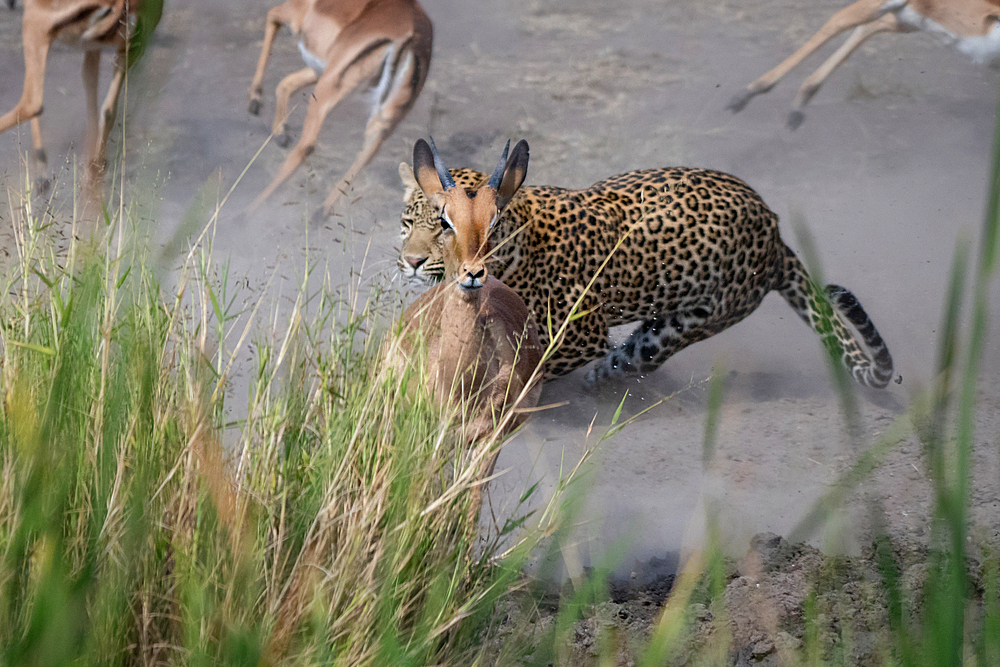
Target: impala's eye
(445, 223)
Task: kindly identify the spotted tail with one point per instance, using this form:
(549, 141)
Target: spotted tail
(826, 317)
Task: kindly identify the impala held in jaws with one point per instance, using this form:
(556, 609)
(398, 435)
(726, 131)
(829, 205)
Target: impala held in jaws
(91, 26)
(481, 342)
(344, 43)
(971, 26)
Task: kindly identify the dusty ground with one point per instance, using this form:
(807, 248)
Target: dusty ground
(778, 604)
(888, 172)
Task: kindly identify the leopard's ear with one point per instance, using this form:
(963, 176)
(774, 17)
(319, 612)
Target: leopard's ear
(409, 181)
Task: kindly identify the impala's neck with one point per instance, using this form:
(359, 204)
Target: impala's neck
(462, 305)
(463, 335)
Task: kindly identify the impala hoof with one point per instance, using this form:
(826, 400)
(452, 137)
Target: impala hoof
(42, 185)
(319, 217)
(795, 119)
(284, 139)
(254, 107)
(738, 101)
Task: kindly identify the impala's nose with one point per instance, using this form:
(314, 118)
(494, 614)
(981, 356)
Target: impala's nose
(415, 261)
(473, 278)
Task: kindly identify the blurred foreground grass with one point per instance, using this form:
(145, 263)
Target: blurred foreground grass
(335, 530)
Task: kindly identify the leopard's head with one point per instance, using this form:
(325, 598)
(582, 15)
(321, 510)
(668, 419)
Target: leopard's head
(421, 254)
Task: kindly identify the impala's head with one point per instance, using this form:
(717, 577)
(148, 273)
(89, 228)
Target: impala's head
(467, 216)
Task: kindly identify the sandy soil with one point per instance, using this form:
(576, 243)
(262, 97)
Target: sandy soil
(888, 173)
(779, 604)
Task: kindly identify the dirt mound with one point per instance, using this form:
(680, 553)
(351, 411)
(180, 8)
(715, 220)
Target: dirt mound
(781, 603)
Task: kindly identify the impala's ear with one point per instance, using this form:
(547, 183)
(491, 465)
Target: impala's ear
(409, 182)
(428, 168)
(513, 174)
(423, 169)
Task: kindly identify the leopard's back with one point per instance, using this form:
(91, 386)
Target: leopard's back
(691, 238)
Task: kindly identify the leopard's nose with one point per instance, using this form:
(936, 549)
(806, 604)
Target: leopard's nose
(414, 260)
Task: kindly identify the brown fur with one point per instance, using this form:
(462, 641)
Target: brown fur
(357, 40)
(482, 350)
(89, 25)
(482, 345)
(964, 18)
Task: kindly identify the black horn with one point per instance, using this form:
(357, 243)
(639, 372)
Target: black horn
(446, 180)
(497, 176)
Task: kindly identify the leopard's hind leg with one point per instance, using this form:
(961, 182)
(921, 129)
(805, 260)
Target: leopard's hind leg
(653, 342)
(826, 317)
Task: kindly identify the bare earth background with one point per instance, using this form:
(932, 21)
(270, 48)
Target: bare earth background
(888, 172)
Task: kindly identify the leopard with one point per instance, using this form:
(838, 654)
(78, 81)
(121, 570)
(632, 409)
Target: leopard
(684, 252)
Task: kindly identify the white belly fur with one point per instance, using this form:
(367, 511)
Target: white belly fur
(985, 49)
(311, 60)
(385, 80)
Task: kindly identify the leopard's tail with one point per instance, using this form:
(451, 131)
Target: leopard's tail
(873, 367)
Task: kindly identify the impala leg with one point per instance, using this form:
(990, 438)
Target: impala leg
(109, 111)
(484, 425)
(29, 108)
(97, 151)
(475, 432)
(111, 16)
(811, 85)
(91, 72)
(36, 49)
(276, 18)
(340, 77)
(849, 17)
(288, 86)
(39, 160)
(402, 93)
(478, 492)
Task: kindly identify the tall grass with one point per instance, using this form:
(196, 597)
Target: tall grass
(334, 526)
